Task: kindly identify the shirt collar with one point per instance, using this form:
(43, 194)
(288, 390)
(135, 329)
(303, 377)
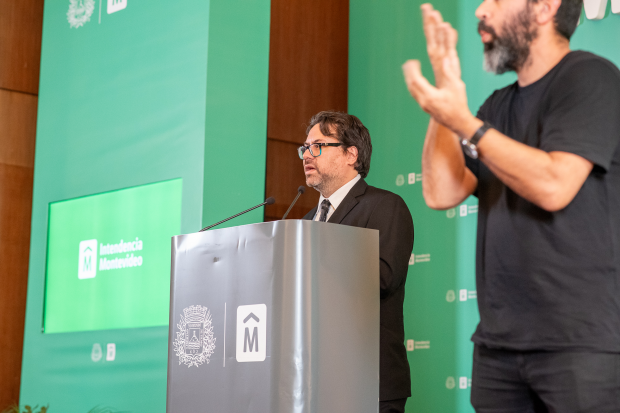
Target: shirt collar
(336, 198)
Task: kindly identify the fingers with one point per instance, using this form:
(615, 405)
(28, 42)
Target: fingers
(431, 19)
(451, 38)
(451, 72)
(417, 84)
(426, 7)
(428, 23)
(442, 41)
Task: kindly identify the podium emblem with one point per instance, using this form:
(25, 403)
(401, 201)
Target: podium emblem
(80, 12)
(195, 342)
(251, 332)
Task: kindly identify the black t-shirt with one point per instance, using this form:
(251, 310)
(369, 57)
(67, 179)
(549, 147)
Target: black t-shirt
(551, 280)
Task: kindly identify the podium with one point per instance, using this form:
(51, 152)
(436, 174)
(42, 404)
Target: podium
(276, 317)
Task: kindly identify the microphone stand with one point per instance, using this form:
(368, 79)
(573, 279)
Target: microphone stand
(300, 191)
(268, 201)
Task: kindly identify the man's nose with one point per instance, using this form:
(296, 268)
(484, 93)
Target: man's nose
(307, 154)
(482, 12)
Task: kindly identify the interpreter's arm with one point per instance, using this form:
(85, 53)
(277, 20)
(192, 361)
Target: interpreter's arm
(446, 180)
(549, 180)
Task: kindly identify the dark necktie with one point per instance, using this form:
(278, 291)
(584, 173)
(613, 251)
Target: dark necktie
(324, 210)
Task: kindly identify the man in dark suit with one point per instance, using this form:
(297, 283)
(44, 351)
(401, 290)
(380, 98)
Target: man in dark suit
(336, 157)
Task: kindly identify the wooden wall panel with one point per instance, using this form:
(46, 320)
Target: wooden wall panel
(15, 207)
(308, 73)
(18, 128)
(21, 24)
(20, 50)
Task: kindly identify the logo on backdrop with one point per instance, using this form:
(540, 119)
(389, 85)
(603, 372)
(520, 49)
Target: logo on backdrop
(195, 342)
(450, 383)
(463, 295)
(463, 211)
(419, 258)
(116, 5)
(251, 332)
(80, 12)
(464, 383)
(412, 178)
(96, 353)
(126, 247)
(87, 263)
(418, 345)
(596, 9)
(400, 180)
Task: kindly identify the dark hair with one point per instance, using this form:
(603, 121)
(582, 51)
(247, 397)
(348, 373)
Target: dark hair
(350, 131)
(566, 17)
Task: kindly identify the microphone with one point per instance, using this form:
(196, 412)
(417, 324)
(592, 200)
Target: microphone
(300, 191)
(269, 201)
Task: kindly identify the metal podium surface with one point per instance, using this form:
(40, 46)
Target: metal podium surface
(275, 317)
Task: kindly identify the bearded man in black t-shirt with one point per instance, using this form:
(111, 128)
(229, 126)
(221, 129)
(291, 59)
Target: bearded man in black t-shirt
(543, 157)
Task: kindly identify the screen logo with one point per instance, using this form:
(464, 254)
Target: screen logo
(87, 264)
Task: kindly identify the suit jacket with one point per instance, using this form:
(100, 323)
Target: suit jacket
(368, 207)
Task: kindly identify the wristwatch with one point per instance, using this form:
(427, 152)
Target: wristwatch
(470, 146)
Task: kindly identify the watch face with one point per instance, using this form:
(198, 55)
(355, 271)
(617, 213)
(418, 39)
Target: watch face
(470, 149)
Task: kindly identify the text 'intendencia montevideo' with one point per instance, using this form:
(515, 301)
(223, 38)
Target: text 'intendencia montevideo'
(128, 247)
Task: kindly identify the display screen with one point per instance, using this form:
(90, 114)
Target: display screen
(108, 258)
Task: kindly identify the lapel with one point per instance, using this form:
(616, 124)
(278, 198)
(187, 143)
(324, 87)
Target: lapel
(310, 214)
(348, 202)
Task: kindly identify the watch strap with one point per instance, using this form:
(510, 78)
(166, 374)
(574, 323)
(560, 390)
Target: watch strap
(478, 134)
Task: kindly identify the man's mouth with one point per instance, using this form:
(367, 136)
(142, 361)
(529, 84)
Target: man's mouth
(309, 168)
(487, 33)
(486, 37)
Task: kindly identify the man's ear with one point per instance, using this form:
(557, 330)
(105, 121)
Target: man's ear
(352, 154)
(546, 11)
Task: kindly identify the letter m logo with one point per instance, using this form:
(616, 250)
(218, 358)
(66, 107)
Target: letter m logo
(252, 342)
(596, 9)
(87, 264)
(251, 332)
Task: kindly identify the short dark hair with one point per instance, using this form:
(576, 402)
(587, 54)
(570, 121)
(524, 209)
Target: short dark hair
(567, 17)
(350, 131)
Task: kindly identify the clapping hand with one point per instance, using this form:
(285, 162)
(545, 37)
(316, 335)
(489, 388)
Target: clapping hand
(446, 102)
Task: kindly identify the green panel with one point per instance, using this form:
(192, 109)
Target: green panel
(441, 300)
(382, 38)
(108, 259)
(127, 99)
(236, 133)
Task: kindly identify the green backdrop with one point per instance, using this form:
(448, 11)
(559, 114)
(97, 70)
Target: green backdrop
(154, 91)
(440, 305)
(163, 90)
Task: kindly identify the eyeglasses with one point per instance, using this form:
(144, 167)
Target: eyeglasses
(314, 148)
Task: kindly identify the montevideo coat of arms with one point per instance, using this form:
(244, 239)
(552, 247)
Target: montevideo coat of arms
(80, 12)
(194, 343)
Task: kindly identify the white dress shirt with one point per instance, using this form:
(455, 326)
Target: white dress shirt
(336, 199)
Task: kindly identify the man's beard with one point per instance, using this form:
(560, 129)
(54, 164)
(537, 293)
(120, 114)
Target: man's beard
(320, 181)
(510, 51)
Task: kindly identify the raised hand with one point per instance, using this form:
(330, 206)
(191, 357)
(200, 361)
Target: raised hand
(447, 102)
(436, 45)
